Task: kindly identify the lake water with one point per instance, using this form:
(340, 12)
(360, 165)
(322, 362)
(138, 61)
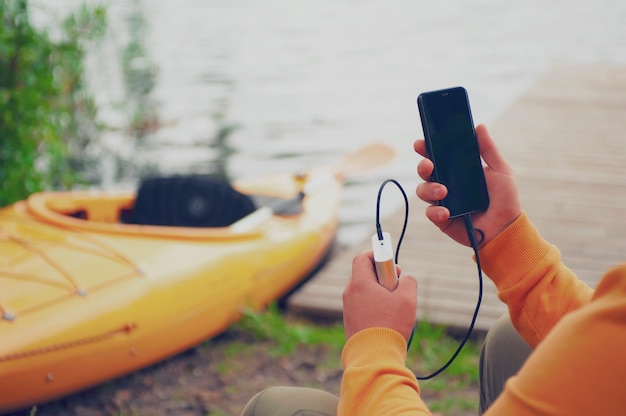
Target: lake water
(305, 81)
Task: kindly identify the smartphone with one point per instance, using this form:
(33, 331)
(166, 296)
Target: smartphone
(453, 148)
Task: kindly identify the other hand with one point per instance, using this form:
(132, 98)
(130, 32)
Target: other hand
(367, 304)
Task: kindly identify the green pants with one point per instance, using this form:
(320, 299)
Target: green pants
(501, 356)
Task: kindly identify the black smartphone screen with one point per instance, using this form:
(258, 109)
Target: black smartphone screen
(452, 146)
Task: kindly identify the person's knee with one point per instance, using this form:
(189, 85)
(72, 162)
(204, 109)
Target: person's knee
(291, 401)
(503, 334)
(502, 355)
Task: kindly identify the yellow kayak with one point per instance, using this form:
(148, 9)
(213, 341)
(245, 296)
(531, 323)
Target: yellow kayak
(86, 296)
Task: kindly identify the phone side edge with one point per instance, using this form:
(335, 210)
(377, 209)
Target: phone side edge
(427, 139)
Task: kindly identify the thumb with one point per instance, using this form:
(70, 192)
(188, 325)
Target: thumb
(490, 152)
(407, 287)
(408, 283)
(407, 313)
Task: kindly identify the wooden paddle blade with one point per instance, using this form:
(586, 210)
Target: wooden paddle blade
(369, 157)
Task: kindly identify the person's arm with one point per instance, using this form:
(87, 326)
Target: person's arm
(532, 280)
(579, 368)
(376, 380)
(378, 323)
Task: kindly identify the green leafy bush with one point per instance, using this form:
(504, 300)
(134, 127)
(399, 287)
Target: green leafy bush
(47, 116)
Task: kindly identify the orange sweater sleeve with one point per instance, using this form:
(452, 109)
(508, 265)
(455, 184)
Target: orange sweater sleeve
(579, 368)
(531, 279)
(376, 380)
(578, 335)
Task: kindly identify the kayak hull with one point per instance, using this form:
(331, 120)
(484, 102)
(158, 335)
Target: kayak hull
(87, 300)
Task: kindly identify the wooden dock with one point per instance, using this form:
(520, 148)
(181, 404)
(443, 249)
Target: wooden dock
(566, 139)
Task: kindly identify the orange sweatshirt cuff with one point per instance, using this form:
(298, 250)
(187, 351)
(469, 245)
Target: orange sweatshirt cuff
(514, 253)
(373, 345)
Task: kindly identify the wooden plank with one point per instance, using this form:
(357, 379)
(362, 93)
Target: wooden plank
(565, 139)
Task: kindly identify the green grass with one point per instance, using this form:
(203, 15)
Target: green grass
(288, 334)
(432, 348)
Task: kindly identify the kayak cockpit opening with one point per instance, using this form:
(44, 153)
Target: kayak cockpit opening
(176, 202)
(188, 201)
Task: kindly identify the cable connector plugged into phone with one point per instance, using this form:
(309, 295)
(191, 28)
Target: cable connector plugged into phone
(384, 261)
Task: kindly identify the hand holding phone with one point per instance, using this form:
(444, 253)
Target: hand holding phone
(453, 148)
